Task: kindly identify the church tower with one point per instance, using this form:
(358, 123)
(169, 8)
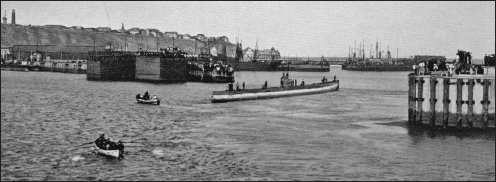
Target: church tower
(122, 26)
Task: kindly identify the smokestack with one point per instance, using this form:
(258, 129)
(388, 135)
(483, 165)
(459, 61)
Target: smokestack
(13, 17)
(376, 49)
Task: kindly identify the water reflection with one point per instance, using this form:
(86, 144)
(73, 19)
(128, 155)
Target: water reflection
(424, 130)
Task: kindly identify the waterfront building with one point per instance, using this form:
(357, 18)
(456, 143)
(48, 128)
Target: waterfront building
(6, 52)
(248, 55)
(268, 54)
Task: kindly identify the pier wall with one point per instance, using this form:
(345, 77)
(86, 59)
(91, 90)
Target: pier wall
(461, 100)
(147, 68)
(111, 66)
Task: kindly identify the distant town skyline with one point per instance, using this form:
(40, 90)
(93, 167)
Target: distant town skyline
(294, 28)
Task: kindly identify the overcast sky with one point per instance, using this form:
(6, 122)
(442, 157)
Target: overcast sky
(294, 28)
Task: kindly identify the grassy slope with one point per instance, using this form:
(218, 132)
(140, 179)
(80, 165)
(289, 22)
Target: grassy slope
(22, 35)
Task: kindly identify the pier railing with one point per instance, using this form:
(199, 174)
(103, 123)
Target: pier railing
(460, 100)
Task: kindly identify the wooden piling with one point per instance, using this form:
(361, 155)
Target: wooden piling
(414, 99)
(446, 102)
(433, 100)
(411, 92)
(470, 102)
(485, 102)
(459, 102)
(420, 99)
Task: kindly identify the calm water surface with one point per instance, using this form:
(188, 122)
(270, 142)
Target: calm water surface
(344, 135)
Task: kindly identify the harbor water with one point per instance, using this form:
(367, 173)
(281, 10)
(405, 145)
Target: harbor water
(357, 133)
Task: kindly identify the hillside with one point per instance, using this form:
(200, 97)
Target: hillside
(30, 35)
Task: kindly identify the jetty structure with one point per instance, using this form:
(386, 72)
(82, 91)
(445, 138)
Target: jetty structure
(213, 69)
(288, 88)
(462, 95)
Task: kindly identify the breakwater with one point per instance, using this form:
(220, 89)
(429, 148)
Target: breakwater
(62, 67)
(460, 101)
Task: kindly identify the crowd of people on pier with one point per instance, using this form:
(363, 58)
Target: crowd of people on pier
(455, 67)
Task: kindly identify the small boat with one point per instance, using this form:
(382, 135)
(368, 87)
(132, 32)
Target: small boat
(155, 100)
(111, 153)
(274, 92)
(150, 101)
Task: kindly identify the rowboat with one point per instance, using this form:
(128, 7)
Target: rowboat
(150, 101)
(274, 92)
(111, 153)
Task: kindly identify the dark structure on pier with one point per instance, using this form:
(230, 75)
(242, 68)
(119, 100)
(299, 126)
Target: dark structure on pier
(167, 66)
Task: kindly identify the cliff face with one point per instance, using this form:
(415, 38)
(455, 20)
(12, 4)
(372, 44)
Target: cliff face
(30, 35)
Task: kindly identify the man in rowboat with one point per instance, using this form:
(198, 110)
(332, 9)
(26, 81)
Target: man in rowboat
(100, 142)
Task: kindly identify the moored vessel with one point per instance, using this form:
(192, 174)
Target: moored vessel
(274, 92)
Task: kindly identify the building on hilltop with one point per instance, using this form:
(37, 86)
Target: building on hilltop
(171, 34)
(200, 37)
(104, 29)
(78, 27)
(186, 36)
(223, 38)
(55, 27)
(211, 39)
(134, 31)
(151, 32)
(90, 29)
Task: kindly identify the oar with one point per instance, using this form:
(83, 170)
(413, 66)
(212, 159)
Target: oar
(82, 145)
(77, 148)
(143, 142)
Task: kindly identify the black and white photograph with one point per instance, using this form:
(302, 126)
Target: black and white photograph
(248, 90)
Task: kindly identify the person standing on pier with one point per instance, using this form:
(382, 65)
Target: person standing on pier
(243, 85)
(237, 86)
(265, 83)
